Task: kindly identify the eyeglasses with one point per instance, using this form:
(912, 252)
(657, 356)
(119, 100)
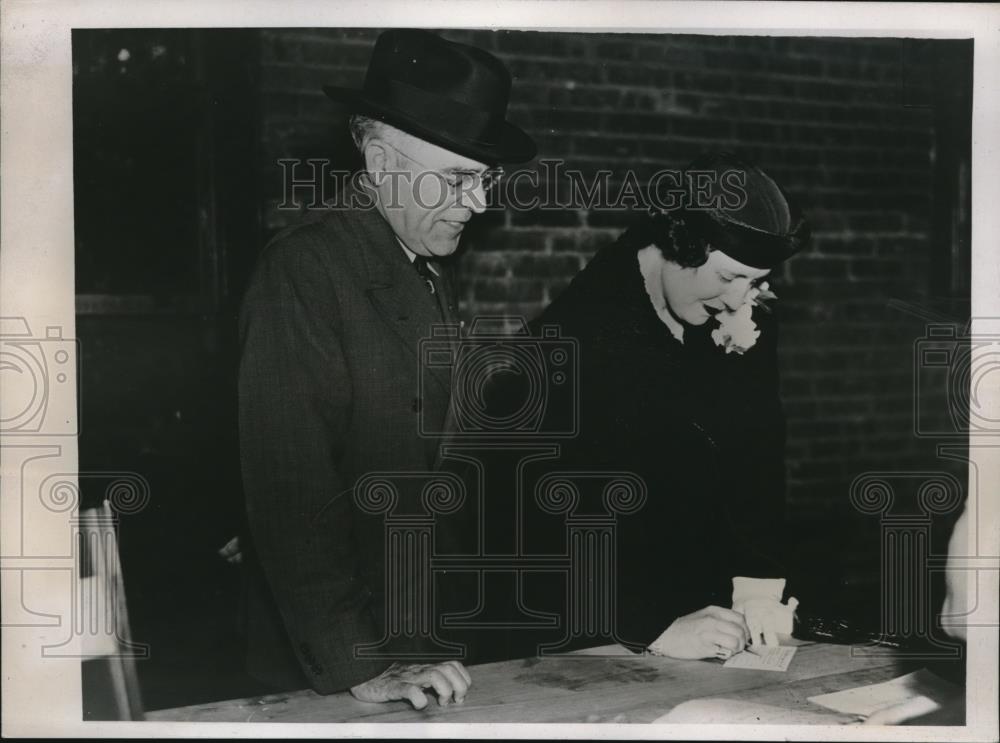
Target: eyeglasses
(464, 181)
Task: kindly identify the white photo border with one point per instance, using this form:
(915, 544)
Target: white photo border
(37, 283)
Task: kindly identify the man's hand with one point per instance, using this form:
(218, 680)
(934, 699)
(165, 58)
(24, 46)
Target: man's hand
(449, 680)
(712, 632)
(231, 552)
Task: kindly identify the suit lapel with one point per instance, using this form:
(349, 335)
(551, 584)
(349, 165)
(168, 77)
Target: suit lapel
(401, 299)
(450, 312)
(449, 309)
(398, 293)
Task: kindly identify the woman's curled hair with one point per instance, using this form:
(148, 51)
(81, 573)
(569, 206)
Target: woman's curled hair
(678, 240)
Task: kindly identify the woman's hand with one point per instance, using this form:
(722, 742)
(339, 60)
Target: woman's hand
(449, 680)
(712, 632)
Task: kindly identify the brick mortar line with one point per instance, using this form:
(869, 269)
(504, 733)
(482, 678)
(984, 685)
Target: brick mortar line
(797, 123)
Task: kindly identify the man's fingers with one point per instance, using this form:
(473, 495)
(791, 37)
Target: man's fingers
(232, 547)
(449, 681)
(462, 670)
(412, 692)
(457, 681)
(433, 677)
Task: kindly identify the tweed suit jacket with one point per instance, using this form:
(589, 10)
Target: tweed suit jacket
(329, 391)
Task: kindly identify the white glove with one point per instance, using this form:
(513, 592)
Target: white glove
(759, 601)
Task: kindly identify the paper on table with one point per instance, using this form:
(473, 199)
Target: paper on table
(614, 651)
(867, 700)
(738, 711)
(771, 658)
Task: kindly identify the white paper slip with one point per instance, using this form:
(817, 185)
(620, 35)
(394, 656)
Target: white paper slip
(867, 700)
(734, 711)
(772, 658)
(611, 651)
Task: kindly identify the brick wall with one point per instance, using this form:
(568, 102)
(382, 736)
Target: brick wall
(844, 124)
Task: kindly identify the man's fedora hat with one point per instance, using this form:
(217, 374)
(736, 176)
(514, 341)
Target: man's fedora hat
(450, 94)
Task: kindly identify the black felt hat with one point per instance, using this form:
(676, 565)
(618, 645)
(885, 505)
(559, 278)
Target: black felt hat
(450, 94)
(741, 211)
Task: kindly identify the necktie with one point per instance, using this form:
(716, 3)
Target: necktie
(420, 263)
(423, 268)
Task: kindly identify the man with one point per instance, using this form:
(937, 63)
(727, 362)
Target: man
(329, 387)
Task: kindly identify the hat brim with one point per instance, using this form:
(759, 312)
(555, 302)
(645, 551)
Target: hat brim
(513, 144)
(750, 246)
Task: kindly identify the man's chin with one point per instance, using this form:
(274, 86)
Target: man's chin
(444, 248)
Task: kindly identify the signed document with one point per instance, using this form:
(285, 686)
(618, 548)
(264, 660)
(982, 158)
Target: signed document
(771, 658)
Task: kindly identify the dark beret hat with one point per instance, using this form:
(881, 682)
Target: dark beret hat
(740, 210)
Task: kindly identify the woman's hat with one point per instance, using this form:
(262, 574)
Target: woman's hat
(739, 209)
(450, 94)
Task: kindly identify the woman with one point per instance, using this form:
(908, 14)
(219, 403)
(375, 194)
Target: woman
(679, 385)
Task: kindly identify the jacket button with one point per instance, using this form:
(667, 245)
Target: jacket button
(416, 404)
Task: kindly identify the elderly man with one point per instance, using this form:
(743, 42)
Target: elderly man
(328, 386)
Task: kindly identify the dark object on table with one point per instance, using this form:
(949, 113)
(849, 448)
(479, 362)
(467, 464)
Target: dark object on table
(843, 631)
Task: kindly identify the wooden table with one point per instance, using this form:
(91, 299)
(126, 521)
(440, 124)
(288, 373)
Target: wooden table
(594, 686)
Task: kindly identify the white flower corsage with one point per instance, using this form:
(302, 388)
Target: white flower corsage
(737, 331)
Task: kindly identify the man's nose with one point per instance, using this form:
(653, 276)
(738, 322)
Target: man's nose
(474, 198)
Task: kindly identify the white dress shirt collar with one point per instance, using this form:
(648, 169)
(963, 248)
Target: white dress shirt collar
(412, 256)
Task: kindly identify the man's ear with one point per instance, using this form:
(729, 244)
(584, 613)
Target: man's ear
(376, 156)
